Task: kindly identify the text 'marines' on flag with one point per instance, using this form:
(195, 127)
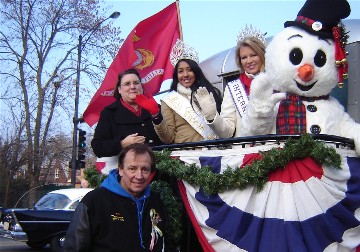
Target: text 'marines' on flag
(147, 49)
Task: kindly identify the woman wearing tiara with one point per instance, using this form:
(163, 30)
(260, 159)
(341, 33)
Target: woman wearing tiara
(250, 58)
(181, 119)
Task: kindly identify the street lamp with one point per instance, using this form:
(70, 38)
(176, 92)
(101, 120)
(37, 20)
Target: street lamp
(76, 120)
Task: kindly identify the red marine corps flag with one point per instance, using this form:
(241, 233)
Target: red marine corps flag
(147, 49)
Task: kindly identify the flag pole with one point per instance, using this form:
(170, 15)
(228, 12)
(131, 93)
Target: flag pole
(179, 18)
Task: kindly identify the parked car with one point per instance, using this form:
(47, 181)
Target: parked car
(46, 223)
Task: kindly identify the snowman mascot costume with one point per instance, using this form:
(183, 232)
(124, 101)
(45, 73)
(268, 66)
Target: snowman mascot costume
(304, 62)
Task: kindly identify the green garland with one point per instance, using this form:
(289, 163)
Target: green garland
(94, 177)
(255, 174)
(172, 209)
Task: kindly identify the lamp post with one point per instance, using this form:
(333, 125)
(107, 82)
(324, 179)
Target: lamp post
(76, 120)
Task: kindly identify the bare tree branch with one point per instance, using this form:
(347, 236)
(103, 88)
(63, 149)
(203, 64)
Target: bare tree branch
(38, 42)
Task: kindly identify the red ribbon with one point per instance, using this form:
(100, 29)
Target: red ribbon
(340, 57)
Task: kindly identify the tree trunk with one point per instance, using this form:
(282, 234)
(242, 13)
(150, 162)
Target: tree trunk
(32, 194)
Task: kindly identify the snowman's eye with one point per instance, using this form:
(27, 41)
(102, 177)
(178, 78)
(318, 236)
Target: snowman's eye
(320, 58)
(296, 56)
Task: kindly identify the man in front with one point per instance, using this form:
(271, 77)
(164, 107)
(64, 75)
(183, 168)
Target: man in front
(122, 214)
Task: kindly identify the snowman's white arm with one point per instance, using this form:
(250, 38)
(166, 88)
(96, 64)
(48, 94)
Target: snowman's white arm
(257, 121)
(261, 110)
(350, 129)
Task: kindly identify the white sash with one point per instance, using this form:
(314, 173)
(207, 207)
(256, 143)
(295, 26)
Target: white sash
(239, 96)
(182, 106)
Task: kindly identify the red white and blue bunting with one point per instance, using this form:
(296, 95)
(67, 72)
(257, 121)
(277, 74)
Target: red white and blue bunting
(304, 207)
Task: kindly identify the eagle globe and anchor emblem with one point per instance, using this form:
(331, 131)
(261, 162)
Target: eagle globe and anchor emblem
(145, 58)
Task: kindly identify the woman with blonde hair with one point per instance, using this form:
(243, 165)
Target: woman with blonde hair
(250, 58)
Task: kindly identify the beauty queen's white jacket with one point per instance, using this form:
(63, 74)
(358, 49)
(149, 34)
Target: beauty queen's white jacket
(227, 124)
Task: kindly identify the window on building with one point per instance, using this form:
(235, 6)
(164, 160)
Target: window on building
(57, 173)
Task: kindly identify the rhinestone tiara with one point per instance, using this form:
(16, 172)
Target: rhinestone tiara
(250, 31)
(182, 51)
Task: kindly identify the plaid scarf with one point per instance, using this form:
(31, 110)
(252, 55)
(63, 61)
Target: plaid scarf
(291, 117)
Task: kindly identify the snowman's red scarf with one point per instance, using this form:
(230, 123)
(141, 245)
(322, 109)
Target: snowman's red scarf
(291, 117)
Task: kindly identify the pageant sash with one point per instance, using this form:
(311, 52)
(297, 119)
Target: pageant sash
(239, 96)
(182, 106)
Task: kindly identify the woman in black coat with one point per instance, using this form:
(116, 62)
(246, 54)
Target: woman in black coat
(124, 122)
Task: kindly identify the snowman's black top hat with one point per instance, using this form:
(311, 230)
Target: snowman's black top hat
(320, 16)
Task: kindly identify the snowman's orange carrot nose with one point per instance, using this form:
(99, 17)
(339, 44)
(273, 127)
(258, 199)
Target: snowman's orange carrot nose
(306, 72)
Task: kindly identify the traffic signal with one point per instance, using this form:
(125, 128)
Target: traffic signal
(80, 163)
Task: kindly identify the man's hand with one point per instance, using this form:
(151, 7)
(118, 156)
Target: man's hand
(147, 103)
(207, 103)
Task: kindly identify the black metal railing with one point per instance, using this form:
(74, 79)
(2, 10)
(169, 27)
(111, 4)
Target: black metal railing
(227, 143)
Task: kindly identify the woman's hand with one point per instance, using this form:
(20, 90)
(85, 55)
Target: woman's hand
(147, 103)
(131, 139)
(207, 103)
